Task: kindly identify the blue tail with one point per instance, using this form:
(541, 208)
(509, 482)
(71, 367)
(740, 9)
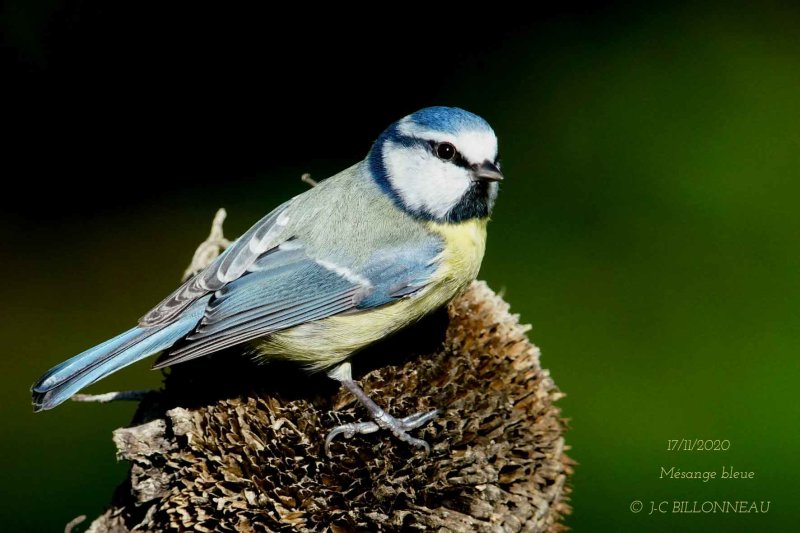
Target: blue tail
(64, 380)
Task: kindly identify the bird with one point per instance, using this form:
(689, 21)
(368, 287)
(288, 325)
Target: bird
(360, 256)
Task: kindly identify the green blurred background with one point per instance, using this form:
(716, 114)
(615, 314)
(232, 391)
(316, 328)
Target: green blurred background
(648, 228)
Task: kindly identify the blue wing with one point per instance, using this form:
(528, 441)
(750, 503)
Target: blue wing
(285, 287)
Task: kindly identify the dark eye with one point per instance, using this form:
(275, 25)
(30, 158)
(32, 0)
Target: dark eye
(445, 151)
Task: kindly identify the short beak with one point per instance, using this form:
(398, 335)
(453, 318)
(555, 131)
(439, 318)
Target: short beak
(488, 171)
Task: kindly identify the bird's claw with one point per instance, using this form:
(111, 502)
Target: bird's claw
(399, 427)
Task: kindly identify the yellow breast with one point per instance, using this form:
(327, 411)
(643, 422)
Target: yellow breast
(327, 342)
(465, 244)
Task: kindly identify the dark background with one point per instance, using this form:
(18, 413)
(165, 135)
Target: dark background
(648, 226)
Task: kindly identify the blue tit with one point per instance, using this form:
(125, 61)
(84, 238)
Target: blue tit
(361, 255)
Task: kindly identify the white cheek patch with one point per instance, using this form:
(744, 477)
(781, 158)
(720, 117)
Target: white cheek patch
(424, 182)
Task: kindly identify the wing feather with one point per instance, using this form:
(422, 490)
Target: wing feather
(258, 326)
(266, 234)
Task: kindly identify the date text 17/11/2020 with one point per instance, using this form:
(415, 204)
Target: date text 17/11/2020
(698, 445)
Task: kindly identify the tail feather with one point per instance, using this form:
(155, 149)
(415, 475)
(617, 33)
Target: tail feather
(67, 378)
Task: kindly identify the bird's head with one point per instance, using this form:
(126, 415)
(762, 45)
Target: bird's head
(439, 163)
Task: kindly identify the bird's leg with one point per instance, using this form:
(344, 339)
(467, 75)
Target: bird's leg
(381, 419)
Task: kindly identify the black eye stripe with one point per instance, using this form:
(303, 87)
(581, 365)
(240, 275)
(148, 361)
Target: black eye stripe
(458, 159)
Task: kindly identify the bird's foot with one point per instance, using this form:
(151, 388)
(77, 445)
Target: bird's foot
(380, 418)
(398, 426)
